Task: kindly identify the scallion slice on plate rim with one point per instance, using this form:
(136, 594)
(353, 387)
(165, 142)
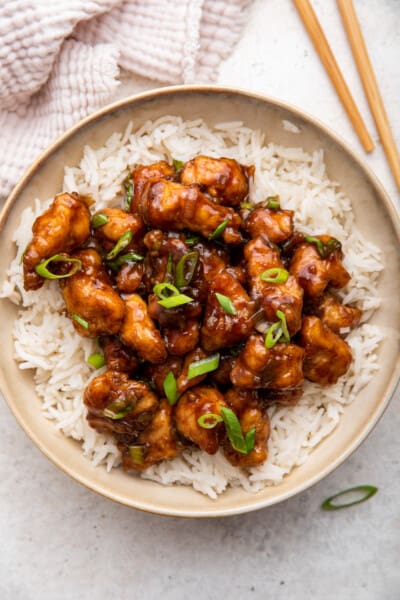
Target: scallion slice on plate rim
(365, 493)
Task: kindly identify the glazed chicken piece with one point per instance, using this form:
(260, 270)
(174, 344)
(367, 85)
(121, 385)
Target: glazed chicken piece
(183, 383)
(119, 404)
(144, 173)
(222, 376)
(89, 296)
(181, 341)
(213, 259)
(157, 442)
(118, 357)
(168, 205)
(157, 373)
(278, 368)
(194, 403)
(119, 222)
(327, 356)
(286, 297)
(251, 414)
(282, 397)
(275, 225)
(334, 314)
(63, 227)
(140, 333)
(221, 329)
(222, 178)
(314, 273)
(129, 277)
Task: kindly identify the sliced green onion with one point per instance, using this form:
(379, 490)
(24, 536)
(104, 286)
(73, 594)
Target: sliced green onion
(285, 332)
(136, 454)
(273, 335)
(273, 203)
(275, 275)
(170, 264)
(203, 366)
(82, 322)
(364, 491)
(219, 230)
(226, 304)
(324, 249)
(174, 301)
(234, 430)
(117, 410)
(209, 420)
(124, 258)
(250, 439)
(178, 164)
(170, 388)
(185, 269)
(99, 219)
(122, 243)
(43, 271)
(247, 205)
(96, 360)
(128, 186)
(161, 289)
(192, 240)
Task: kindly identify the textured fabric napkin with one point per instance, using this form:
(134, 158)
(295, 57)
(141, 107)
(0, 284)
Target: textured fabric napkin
(60, 60)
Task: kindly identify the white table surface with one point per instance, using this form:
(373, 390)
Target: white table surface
(61, 541)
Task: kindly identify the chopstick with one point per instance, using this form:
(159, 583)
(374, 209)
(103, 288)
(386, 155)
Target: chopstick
(370, 84)
(324, 51)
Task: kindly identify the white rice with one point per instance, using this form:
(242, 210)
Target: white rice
(45, 339)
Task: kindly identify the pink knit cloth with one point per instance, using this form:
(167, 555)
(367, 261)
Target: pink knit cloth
(60, 60)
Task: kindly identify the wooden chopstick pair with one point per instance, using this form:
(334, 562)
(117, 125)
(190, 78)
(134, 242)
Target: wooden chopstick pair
(366, 73)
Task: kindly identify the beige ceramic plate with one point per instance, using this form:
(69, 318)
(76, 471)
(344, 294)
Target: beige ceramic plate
(375, 215)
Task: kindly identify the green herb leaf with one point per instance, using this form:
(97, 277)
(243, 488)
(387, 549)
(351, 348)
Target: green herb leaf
(219, 230)
(209, 420)
(203, 366)
(273, 203)
(192, 240)
(170, 388)
(336, 502)
(42, 270)
(226, 304)
(117, 410)
(122, 243)
(128, 185)
(275, 275)
(250, 439)
(285, 332)
(116, 264)
(165, 290)
(324, 249)
(273, 335)
(176, 300)
(96, 360)
(82, 322)
(178, 164)
(185, 269)
(137, 455)
(234, 430)
(98, 220)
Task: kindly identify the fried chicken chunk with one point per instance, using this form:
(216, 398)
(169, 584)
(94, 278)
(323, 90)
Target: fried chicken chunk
(119, 404)
(89, 296)
(194, 403)
(64, 226)
(222, 178)
(327, 356)
(129, 277)
(286, 297)
(276, 225)
(315, 273)
(221, 329)
(156, 443)
(334, 314)
(144, 173)
(119, 222)
(168, 205)
(279, 367)
(118, 357)
(140, 333)
(251, 414)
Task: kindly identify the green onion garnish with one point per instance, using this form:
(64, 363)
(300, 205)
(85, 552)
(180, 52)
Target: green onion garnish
(275, 275)
(277, 332)
(209, 420)
(364, 492)
(185, 269)
(96, 360)
(122, 243)
(324, 249)
(247, 205)
(43, 271)
(273, 203)
(174, 301)
(226, 304)
(170, 264)
(203, 366)
(82, 322)
(117, 410)
(178, 164)
(136, 454)
(219, 230)
(99, 219)
(170, 388)
(124, 258)
(240, 443)
(192, 240)
(128, 185)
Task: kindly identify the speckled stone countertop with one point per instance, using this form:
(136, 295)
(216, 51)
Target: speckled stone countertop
(60, 541)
